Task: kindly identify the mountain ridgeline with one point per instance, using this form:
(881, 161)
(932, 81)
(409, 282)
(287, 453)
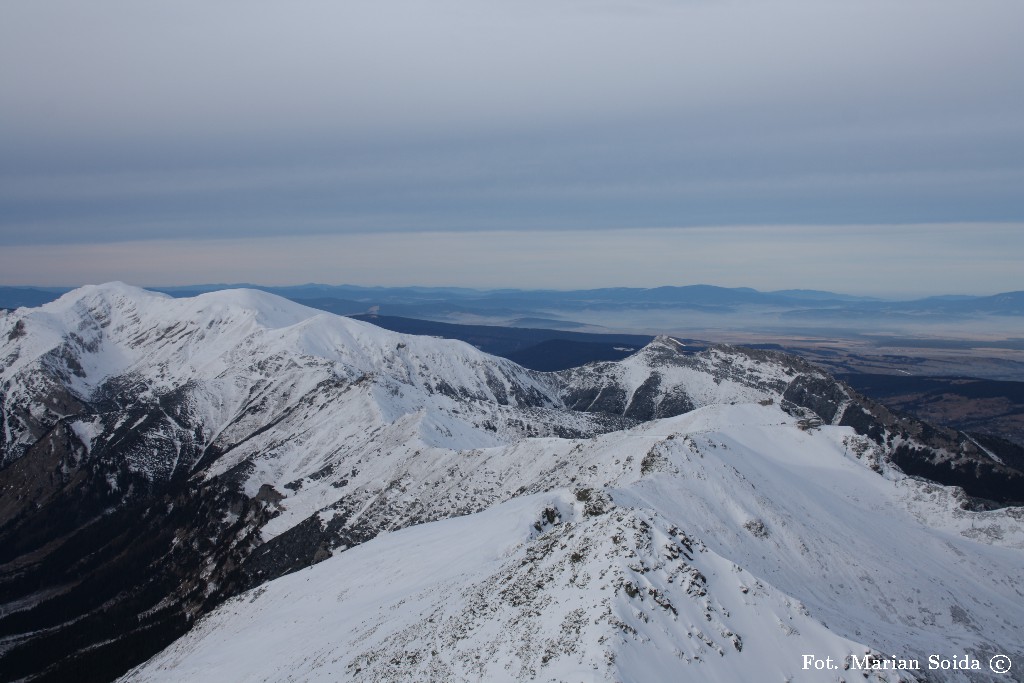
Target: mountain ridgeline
(159, 456)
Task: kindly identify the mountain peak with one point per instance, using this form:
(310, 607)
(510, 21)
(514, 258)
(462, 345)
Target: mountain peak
(665, 341)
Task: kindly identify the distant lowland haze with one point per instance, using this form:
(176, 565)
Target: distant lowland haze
(740, 314)
(868, 147)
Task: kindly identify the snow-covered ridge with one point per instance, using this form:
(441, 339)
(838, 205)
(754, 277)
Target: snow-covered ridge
(230, 347)
(662, 380)
(720, 545)
(622, 595)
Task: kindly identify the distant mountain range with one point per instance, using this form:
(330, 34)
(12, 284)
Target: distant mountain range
(620, 308)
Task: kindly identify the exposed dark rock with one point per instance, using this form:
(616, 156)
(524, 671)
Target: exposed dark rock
(105, 585)
(819, 394)
(643, 405)
(17, 331)
(268, 494)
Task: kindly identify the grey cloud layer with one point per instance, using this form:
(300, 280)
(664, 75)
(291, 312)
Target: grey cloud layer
(132, 121)
(367, 67)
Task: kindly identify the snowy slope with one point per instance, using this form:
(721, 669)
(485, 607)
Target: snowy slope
(715, 545)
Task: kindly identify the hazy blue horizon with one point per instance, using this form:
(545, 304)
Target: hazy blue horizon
(888, 261)
(209, 286)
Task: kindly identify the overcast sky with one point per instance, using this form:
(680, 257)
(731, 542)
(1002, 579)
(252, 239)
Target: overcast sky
(869, 146)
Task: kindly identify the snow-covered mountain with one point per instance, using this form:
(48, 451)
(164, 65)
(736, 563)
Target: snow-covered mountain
(664, 380)
(613, 521)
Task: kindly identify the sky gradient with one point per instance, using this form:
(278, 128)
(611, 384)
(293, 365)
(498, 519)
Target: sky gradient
(863, 146)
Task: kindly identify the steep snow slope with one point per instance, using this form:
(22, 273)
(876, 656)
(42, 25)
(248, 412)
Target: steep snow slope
(715, 545)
